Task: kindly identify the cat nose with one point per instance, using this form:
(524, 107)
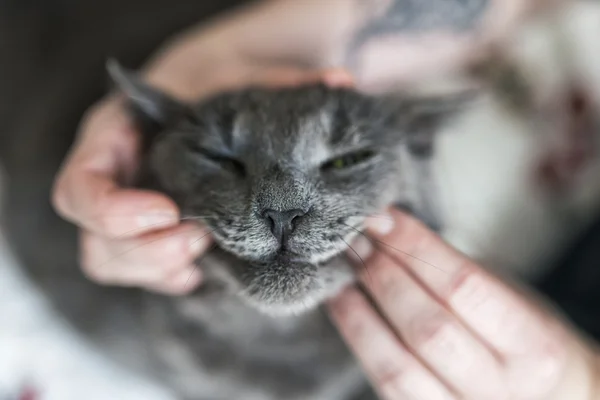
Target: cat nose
(283, 223)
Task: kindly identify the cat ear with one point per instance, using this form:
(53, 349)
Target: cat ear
(149, 104)
(427, 115)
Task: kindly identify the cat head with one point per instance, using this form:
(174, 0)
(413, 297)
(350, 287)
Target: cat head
(284, 178)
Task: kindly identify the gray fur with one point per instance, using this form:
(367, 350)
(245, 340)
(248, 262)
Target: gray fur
(254, 329)
(234, 156)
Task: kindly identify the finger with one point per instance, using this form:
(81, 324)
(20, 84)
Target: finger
(524, 337)
(393, 370)
(431, 332)
(86, 191)
(338, 77)
(534, 349)
(293, 76)
(149, 259)
(488, 307)
(183, 282)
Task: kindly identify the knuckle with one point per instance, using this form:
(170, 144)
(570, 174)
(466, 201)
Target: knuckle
(390, 382)
(88, 260)
(58, 197)
(390, 386)
(468, 286)
(430, 331)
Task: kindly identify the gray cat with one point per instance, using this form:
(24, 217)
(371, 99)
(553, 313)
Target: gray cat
(284, 180)
(221, 342)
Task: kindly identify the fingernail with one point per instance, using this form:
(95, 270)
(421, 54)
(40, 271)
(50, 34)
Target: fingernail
(156, 219)
(361, 249)
(380, 224)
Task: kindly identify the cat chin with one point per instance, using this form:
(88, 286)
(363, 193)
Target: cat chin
(281, 286)
(284, 309)
(329, 283)
(279, 309)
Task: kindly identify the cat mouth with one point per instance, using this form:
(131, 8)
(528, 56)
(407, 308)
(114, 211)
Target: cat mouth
(284, 255)
(288, 257)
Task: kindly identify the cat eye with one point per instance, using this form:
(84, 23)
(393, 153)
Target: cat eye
(224, 161)
(230, 164)
(348, 160)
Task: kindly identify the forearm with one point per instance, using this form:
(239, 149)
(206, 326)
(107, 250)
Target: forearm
(314, 31)
(379, 41)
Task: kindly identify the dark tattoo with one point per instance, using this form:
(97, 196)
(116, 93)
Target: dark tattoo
(418, 15)
(409, 16)
(397, 18)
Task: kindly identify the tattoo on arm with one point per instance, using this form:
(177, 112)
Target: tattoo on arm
(396, 17)
(422, 15)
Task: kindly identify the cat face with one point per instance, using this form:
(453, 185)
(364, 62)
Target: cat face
(284, 179)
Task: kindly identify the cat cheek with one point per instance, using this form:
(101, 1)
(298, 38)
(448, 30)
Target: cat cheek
(173, 172)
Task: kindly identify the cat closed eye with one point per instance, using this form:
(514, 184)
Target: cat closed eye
(347, 160)
(224, 161)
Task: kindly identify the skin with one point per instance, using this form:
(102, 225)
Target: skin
(454, 332)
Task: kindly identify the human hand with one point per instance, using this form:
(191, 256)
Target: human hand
(133, 237)
(449, 330)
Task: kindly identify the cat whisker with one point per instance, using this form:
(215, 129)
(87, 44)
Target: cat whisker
(144, 228)
(394, 248)
(150, 242)
(380, 215)
(129, 215)
(193, 217)
(199, 260)
(357, 255)
(370, 215)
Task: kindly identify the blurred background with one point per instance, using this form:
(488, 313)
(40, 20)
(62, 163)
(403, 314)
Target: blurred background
(52, 68)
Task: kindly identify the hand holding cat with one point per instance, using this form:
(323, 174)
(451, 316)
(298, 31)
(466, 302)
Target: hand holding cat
(121, 228)
(453, 331)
